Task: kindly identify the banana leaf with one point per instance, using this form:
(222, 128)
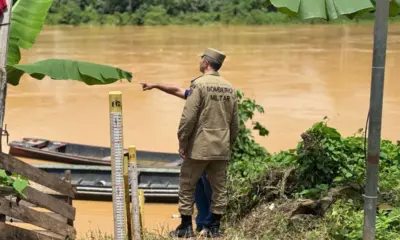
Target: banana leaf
(27, 21)
(65, 69)
(14, 54)
(329, 9)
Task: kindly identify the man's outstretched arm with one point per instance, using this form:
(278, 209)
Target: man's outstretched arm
(167, 88)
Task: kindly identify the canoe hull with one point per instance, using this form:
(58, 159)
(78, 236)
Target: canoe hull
(73, 153)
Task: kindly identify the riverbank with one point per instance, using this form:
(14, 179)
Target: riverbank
(194, 19)
(73, 13)
(314, 191)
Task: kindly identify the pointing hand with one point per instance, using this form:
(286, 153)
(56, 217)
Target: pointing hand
(147, 86)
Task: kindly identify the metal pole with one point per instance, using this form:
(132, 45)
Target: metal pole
(375, 123)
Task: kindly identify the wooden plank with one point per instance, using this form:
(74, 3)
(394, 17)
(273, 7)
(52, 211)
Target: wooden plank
(51, 203)
(51, 235)
(10, 232)
(51, 181)
(39, 199)
(68, 178)
(3, 192)
(50, 214)
(6, 191)
(36, 218)
(26, 203)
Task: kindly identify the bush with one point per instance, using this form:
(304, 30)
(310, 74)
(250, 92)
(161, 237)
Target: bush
(323, 160)
(156, 15)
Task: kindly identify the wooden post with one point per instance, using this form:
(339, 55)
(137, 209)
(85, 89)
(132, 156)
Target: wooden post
(141, 207)
(127, 198)
(134, 191)
(68, 178)
(5, 20)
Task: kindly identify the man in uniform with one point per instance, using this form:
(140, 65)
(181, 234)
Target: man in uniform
(207, 131)
(203, 192)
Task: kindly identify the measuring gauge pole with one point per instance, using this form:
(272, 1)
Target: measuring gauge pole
(137, 227)
(117, 165)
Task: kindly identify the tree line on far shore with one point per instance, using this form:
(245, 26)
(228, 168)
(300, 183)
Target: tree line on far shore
(170, 12)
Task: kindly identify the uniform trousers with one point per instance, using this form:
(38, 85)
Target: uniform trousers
(190, 173)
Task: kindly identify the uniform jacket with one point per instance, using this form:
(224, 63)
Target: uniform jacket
(209, 124)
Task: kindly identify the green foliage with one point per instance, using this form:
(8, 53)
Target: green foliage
(59, 69)
(347, 222)
(156, 15)
(27, 21)
(18, 182)
(325, 157)
(202, 12)
(322, 160)
(248, 158)
(323, 153)
(315, 192)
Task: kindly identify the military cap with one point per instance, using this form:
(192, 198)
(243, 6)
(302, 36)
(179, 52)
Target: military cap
(214, 54)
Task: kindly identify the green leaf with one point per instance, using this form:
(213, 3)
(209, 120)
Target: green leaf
(338, 179)
(324, 187)
(324, 9)
(15, 175)
(14, 54)
(348, 175)
(260, 109)
(290, 7)
(27, 19)
(65, 69)
(20, 185)
(239, 94)
(4, 178)
(394, 8)
(261, 129)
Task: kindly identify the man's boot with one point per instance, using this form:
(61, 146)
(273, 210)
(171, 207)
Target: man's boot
(185, 229)
(213, 230)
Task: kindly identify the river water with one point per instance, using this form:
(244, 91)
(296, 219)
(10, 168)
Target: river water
(299, 74)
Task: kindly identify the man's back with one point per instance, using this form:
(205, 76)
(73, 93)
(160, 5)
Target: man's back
(215, 125)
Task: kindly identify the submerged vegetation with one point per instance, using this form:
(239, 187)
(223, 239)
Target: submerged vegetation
(173, 12)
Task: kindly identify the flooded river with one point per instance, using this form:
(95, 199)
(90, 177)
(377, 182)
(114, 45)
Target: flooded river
(299, 74)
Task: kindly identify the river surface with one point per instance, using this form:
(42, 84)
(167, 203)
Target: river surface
(299, 74)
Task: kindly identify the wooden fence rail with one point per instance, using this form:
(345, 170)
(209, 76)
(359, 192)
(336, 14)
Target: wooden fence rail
(57, 224)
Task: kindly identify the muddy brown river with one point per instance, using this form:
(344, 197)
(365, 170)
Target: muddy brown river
(299, 74)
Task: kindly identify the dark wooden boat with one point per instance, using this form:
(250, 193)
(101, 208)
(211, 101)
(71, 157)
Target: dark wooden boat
(73, 153)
